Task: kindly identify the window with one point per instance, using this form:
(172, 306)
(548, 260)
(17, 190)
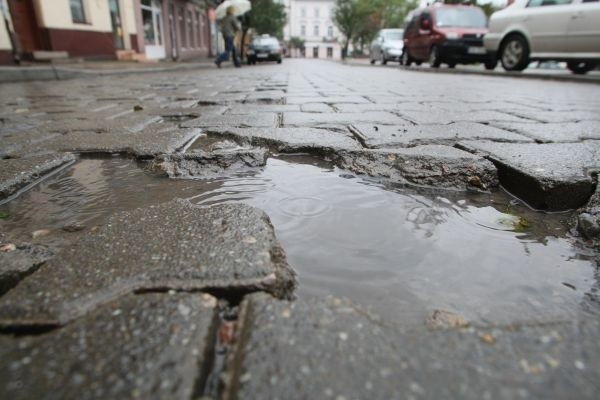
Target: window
(317, 12)
(182, 34)
(330, 31)
(303, 30)
(189, 28)
(330, 52)
(316, 30)
(303, 12)
(315, 52)
(541, 3)
(77, 11)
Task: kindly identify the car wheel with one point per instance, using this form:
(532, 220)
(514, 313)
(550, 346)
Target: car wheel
(382, 59)
(406, 60)
(490, 64)
(451, 64)
(580, 67)
(372, 61)
(514, 54)
(279, 61)
(434, 57)
(418, 62)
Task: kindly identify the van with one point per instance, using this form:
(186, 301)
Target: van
(445, 33)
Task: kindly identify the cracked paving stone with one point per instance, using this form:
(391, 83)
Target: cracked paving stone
(174, 245)
(560, 116)
(290, 140)
(331, 348)
(588, 220)
(551, 176)
(205, 165)
(17, 173)
(149, 346)
(381, 136)
(430, 165)
(23, 260)
(291, 119)
(315, 108)
(555, 132)
(266, 120)
(354, 99)
(255, 108)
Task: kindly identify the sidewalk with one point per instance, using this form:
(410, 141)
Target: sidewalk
(49, 72)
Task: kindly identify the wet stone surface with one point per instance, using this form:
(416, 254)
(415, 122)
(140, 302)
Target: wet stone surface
(170, 246)
(331, 348)
(17, 173)
(19, 260)
(148, 346)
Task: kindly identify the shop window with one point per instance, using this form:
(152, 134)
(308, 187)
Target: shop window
(315, 52)
(190, 28)
(77, 11)
(182, 33)
(330, 52)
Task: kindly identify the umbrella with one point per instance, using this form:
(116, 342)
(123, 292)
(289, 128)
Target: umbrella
(240, 7)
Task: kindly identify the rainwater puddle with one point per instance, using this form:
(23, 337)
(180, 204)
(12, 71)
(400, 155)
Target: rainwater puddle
(399, 252)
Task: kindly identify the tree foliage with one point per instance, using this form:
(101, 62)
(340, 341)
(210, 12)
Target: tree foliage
(359, 20)
(296, 42)
(267, 17)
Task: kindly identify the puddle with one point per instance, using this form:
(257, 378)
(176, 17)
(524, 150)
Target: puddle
(399, 252)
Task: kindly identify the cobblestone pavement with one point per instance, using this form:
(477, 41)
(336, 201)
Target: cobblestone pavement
(134, 308)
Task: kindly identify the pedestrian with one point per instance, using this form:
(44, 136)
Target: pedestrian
(229, 27)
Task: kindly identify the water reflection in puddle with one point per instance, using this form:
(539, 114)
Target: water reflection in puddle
(401, 253)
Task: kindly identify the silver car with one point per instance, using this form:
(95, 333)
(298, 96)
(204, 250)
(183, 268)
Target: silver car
(558, 30)
(387, 46)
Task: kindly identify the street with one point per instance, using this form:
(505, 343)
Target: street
(305, 230)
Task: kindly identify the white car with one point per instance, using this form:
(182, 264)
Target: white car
(559, 30)
(387, 46)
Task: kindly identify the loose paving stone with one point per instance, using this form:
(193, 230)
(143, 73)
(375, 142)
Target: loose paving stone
(206, 165)
(555, 132)
(174, 245)
(588, 220)
(292, 140)
(430, 165)
(355, 99)
(145, 144)
(331, 348)
(385, 136)
(291, 119)
(150, 346)
(17, 173)
(552, 176)
(266, 120)
(18, 261)
(265, 97)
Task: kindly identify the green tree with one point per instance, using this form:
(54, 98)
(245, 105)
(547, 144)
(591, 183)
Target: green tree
(296, 43)
(348, 17)
(267, 17)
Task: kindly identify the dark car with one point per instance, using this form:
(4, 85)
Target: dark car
(264, 48)
(450, 34)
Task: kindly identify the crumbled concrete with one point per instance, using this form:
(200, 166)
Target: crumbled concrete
(174, 245)
(385, 136)
(16, 173)
(206, 165)
(552, 176)
(331, 348)
(291, 140)
(149, 346)
(430, 165)
(19, 261)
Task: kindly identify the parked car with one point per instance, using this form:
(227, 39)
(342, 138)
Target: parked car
(264, 48)
(445, 33)
(387, 46)
(559, 30)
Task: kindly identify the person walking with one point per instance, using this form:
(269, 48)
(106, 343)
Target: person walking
(229, 27)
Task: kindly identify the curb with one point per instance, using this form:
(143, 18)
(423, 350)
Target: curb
(49, 73)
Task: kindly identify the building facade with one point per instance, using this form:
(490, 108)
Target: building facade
(104, 29)
(312, 21)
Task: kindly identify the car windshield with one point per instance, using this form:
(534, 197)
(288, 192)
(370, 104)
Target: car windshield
(460, 18)
(396, 35)
(265, 42)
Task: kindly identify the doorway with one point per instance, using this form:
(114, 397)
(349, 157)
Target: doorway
(25, 26)
(115, 20)
(153, 29)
